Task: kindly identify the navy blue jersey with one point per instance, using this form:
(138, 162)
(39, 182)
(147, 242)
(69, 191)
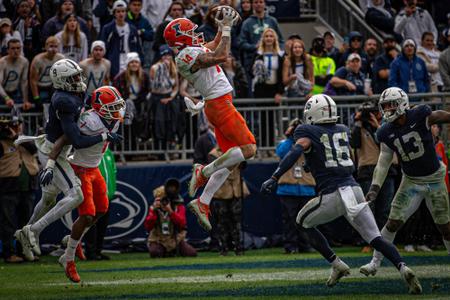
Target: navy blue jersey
(413, 142)
(62, 103)
(65, 109)
(329, 155)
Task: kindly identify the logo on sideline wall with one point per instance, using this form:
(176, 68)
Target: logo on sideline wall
(128, 210)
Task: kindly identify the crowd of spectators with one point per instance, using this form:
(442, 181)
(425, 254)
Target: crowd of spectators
(122, 44)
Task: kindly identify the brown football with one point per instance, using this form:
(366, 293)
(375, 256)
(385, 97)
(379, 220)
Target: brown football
(220, 7)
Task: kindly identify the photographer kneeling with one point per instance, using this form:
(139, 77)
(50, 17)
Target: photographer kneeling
(166, 222)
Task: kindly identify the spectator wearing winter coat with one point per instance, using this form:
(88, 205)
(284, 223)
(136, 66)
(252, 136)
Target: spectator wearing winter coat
(349, 80)
(408, 71)
(143, 26)
(430, 55)
(56, 23)
(380, 15)
(382, 65)
(120, 38)
(412, 21)
(355, 46)
(103, 11)
(251, 32)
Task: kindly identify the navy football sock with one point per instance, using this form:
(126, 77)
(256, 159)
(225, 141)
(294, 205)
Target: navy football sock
(320, 243)
(388, 250)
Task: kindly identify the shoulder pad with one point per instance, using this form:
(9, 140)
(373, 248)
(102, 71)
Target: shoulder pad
(301, 131)
(65, 103)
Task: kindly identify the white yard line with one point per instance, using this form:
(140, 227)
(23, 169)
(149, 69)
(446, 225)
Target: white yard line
(383, 273)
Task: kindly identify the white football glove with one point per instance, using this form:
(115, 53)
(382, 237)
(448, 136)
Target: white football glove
(192, 107)
(229, 17)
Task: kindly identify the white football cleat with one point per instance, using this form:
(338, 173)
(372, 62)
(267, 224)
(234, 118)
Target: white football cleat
(411, 280)
(369, 269)
(37, 247)
(29, 234)
(26, 247)
(338, 270)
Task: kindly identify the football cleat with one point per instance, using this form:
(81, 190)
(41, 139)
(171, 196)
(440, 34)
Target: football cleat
(411, 280)
(201, 211)
(369, 269)
(338, 270)
(69, 268)
(197, 180)
(27, 249)
(36, 247)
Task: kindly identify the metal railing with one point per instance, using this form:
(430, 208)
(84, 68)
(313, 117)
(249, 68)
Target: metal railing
(345, 16)
(265, 120)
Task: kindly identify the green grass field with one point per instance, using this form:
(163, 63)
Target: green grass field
(259, 274)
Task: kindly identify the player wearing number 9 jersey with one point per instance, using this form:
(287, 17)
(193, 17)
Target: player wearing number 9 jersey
(198, 64)
(407, 133)
(327, 154)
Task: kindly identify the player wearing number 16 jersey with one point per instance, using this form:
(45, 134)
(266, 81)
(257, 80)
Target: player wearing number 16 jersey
(407, 133)
(327, 153)
(198, 64)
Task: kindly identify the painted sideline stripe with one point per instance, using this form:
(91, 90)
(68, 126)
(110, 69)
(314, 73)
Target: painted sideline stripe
(276, 264)
(383, 272)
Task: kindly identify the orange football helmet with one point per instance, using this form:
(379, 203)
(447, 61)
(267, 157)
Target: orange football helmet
(108, 103)
(180, 33)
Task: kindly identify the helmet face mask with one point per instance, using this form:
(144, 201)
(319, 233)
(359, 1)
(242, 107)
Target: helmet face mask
(393, 103)
(320, 109)
(108, 103)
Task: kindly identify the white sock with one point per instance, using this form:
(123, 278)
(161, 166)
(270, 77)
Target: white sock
(447, 245)
(230, 158)
(388, 236)
(46, 202)
(214, 183)
(70, 250)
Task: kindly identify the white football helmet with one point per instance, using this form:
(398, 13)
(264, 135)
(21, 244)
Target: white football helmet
(67, 75)
(320, 109)
(393, 103)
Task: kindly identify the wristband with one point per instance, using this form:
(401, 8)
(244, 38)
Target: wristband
(7, 98)
(50, 164)
(36, 97)
(226, 31)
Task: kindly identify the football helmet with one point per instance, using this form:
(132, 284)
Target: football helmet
(320, 109)
(393, 103)
(108, 103)
(180, 33)
(67, 75)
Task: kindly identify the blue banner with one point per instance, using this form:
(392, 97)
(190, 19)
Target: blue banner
(135, 184)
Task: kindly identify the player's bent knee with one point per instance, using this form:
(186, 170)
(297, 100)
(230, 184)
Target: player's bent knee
(248, 151)
(393, 225)
(77, 195)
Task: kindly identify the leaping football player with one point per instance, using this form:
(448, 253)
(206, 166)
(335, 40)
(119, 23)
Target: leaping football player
(327, 153)
(407, 133)
(198, 64)
(108, 110)
(65, 108)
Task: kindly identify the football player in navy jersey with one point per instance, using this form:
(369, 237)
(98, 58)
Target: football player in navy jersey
(407, 133)
(58, 176)
(327, 153)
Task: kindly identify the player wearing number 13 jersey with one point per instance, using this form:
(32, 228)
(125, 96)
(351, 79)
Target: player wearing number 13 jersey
(407, 133)
(327, 153)
(198, 64)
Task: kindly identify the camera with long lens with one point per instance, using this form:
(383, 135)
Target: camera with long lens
(171, 191)
(366, 109)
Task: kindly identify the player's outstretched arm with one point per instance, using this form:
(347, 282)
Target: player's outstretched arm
(76, 139)
(380, 172)
(285, 164)
(438, 117)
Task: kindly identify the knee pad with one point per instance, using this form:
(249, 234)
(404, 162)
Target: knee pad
(76, 194)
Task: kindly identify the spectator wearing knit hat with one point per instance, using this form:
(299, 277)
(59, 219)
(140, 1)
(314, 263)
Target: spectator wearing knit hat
(408, 71)
(56, 23)
(120, 38)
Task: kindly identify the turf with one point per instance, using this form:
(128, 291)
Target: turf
(259, 274)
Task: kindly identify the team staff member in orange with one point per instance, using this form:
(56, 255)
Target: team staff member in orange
(198, 64)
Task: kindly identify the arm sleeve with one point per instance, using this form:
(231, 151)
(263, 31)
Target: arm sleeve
(400, 22)
(288, 161)
(178, 217)
(73, 133)
(150, 220)
(383, 164)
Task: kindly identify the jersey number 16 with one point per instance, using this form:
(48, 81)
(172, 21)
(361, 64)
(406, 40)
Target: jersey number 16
(341, 157)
